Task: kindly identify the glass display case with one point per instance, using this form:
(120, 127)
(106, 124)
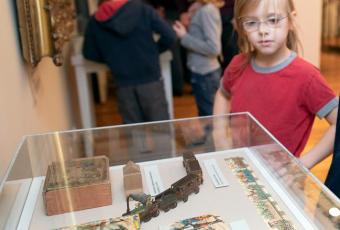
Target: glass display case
(249, 180)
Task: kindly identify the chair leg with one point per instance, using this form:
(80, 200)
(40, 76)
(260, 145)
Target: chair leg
(102, 85)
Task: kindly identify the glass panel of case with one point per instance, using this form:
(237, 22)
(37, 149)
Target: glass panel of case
(163, 140)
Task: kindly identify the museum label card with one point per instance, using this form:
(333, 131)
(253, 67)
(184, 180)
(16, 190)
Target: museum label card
(239, 225)
(215, 173)
(153, 180)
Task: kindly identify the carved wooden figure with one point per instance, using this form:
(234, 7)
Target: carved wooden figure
(132, 179)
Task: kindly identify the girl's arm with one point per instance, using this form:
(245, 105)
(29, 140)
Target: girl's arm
(220, 130)
(325, 146)
(221, 103)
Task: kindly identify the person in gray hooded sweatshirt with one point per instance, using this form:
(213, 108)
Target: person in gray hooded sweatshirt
(202, 39)
(121, 34)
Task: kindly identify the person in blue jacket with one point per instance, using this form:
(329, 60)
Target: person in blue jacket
(122, 34)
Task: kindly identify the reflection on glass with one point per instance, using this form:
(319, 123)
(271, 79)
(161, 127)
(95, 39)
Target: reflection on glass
(169, 139)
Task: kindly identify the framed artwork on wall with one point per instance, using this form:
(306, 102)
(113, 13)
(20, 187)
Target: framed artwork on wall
(45, 26)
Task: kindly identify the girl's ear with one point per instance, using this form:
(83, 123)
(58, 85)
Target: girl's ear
(293, 13)
(292, 16)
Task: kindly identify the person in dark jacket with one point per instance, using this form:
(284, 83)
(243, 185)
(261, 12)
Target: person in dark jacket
(333, 177)
(122, 35)
(229, 34)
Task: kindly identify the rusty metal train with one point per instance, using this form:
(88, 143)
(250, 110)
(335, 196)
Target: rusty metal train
(150, 207)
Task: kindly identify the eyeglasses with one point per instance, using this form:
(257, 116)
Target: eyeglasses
(251, 25)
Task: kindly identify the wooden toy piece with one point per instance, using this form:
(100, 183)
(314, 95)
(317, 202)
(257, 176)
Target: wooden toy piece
(77, 185)
(132, 179)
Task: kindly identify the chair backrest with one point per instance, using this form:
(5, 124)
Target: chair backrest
(333, 177)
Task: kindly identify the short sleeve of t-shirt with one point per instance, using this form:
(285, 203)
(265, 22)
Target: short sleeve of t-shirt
(224, 84)
(318, 97)
(231, 73)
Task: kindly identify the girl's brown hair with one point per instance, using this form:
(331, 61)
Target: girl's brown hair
(293, 41)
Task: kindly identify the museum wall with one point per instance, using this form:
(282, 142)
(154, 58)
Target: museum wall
(309, 14)
(31, 101)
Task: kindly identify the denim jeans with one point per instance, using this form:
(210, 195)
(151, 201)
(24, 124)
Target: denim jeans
(204, 87)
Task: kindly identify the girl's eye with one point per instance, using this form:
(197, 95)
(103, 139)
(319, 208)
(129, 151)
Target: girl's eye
(250, 23)
(272, 21)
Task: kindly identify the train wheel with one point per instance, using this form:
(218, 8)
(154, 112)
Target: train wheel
(156, 213)
(197, 190)
(174, 205)
(166, 209)
(148, 218)
(185, 199)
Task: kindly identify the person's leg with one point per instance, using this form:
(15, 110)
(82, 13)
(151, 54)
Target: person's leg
(128, 105)
(229, 41)
(204, 88)
(177, 70)
(151, 97)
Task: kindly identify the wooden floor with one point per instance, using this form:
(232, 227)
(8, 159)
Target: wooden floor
(184, 106)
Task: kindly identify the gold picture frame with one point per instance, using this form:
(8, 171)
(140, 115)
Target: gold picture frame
(45, 26)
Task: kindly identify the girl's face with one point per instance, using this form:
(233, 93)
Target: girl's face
(266, 26)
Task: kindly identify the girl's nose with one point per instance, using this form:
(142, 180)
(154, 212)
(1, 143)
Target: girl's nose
(263, 28)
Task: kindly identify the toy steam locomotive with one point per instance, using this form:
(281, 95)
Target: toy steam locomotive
(149, 206)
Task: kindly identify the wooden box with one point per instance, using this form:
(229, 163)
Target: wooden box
(77, 185)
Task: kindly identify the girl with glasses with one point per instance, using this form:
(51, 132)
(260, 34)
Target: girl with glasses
(272, 82)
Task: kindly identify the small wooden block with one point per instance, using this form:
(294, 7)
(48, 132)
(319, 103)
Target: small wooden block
(132, 179)
(77, 185)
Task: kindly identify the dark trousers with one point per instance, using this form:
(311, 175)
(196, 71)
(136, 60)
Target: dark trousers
(333, 177)
(204, 87)
(229, 41)
(143, 103)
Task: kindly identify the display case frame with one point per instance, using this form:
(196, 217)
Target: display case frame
(161, 144)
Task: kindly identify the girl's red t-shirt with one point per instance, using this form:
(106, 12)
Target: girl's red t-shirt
(284, 101)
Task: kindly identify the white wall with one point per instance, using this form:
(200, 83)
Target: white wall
(29, 102)
(309, 14)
